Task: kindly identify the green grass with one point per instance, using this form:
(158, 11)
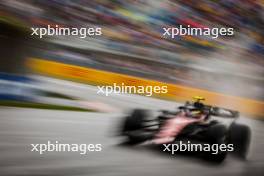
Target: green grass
(41, 106)
(57, 95)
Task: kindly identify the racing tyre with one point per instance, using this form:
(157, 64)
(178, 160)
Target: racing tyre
(240, 136)
(133, 126)
(217, 136)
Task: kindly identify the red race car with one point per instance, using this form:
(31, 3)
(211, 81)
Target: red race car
(191, 126)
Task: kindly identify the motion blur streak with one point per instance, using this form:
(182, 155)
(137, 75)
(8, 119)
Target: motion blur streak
(227, 71)
(21, 127)
(175, 92)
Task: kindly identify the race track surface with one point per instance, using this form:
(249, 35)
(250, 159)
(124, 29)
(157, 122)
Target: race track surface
(21, 127)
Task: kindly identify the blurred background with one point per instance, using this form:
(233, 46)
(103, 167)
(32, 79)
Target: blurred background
(61, 73)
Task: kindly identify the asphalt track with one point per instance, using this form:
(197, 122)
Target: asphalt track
(21, 127)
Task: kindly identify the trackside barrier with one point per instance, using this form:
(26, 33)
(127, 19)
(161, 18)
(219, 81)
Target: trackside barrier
(175, 92)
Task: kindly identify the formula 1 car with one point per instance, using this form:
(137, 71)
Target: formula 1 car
(193, 121)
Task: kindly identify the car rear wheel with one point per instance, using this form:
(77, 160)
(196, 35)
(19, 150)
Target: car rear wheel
(133, 126)
(216, 135)
(240, 136)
